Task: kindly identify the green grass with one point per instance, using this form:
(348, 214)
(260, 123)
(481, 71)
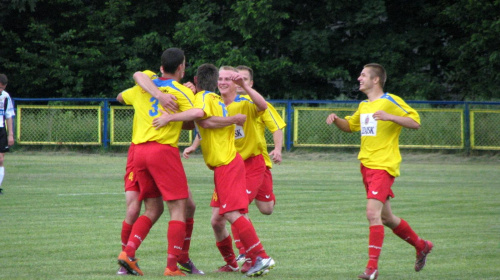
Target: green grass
(61, 215)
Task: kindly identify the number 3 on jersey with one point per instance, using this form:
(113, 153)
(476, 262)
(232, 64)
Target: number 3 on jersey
(154, 105)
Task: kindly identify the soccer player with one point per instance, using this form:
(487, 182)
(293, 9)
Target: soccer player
(380, 119)
(252, 142)
(158, 166)
(229, 200)
(270, 119)
(131, 189)
(251, 145)
(168, 102)
(6, 135)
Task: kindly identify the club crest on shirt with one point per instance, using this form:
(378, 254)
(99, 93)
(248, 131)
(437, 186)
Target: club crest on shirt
(369, 125)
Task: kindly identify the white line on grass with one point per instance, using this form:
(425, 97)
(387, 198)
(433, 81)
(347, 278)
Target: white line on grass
(78, 194)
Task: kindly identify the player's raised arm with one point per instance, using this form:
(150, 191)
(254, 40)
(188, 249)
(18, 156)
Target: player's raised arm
(257, 99)
(166, 100)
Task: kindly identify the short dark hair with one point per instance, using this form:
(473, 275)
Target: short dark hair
(377, 70)
(244, 67)
(171, 59)
(3, 79)
(207, 75)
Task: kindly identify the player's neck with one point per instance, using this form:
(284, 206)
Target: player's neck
(374, 94)
(228, 97)
(169, 76)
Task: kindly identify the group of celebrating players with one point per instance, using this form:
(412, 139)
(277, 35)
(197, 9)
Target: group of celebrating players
(230, 129)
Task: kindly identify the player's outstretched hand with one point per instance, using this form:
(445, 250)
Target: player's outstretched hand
(331, 118)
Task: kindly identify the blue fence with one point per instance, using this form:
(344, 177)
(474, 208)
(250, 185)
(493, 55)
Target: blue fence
(465, 125)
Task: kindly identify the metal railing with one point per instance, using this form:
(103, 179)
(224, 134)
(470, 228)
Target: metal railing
(101, 121)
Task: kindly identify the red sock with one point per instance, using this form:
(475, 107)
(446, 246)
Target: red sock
(404, 231)
(375, 242)
(184, 257)
(140, 230)
(237, 241)
(126, 230)
(226, 250)
(250, 239)
(175, 236)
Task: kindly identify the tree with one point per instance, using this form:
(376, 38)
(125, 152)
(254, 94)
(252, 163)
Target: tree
(95, 55)
(441, 50)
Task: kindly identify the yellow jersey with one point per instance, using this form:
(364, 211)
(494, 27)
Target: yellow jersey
(217, 144)
(380, 139)
(247, 140)
(148, 108)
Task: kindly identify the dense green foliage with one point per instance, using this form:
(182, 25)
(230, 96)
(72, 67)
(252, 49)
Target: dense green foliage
(433, 50)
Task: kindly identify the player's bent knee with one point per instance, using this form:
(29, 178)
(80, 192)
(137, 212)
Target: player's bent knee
(265, 207)
(266, 212)
(218, 224)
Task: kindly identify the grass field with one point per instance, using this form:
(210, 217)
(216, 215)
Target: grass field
(61, 214)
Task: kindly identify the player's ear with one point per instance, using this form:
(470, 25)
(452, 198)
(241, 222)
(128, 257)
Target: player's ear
(195, 80)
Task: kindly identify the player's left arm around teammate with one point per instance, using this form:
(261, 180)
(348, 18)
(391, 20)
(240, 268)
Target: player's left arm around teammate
(219, 122)
(189, 115)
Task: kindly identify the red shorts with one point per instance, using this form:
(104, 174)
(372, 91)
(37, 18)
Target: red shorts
(160, 172)
(266, 189)
(130, 178)
(230, 185)
(377, 183)
(255, 168)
